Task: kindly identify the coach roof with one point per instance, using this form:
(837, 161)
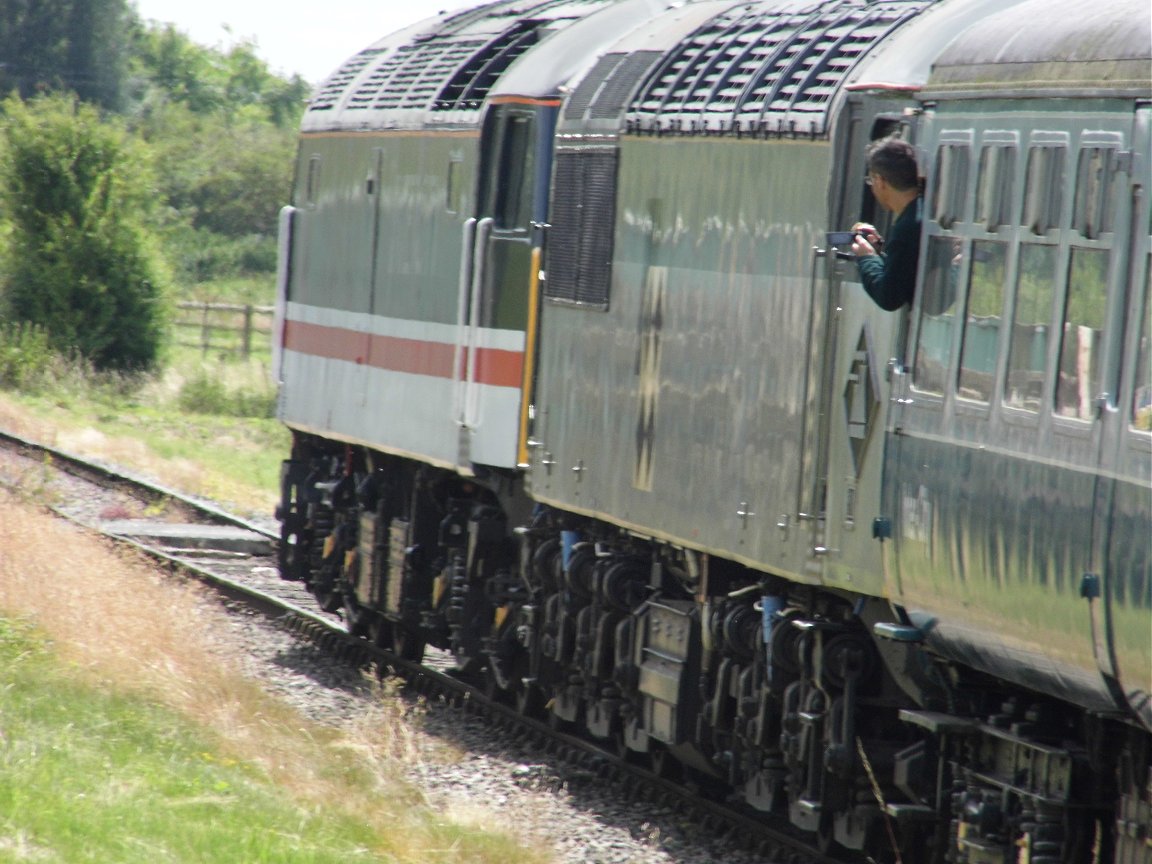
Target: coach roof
(1051, 47)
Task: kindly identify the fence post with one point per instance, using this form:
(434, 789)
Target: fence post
(247, 341)
(205, 331)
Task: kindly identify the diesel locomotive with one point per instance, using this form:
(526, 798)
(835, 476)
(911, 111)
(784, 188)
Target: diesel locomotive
(584, 390)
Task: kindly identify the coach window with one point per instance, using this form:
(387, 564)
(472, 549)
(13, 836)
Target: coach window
(1080, 335)
(982, 320)
(986, 273)
(951, 184)
(1042, 196)
(453, 187)
(1092, 214)
(1031, 322)
(1142, 394)
(994, 186)
(312, 182)
(942, 270)
(937, 319)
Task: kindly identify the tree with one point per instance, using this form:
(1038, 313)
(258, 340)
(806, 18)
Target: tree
(97, 38)
(207, 81)
(222, 129)
(65, 45)
(79, 261)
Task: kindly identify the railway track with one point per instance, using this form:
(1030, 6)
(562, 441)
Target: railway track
(236, 557)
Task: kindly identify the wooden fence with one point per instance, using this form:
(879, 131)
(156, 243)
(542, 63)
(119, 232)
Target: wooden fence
(224, 327)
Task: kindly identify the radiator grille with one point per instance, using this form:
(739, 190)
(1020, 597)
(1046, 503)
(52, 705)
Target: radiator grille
(604, 92)
(580, 242)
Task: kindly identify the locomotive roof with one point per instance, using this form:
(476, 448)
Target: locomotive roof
(769, 66)
(774, 65)
(1051, 47)
(438, 71)
(549, 71)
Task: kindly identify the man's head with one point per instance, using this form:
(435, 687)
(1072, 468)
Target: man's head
(892, 172)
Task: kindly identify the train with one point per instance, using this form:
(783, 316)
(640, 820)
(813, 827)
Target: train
(585, 391)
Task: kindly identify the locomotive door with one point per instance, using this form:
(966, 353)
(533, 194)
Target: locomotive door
(498, 280)
(860, 345)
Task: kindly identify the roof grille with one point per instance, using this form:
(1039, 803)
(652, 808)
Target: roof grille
(451, 68)
(329, 94)
(754, 70)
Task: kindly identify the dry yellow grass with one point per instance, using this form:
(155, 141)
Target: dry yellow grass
(124, 626)
(94, 444)
(75, 432)
(19, 421)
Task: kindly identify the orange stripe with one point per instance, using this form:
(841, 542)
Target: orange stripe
(331, 342)
(495, 367)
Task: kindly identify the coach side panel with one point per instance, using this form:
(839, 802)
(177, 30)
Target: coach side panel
(1001, 485)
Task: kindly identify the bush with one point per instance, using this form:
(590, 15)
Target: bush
(199, 255)
(25, 356)
(80, 261)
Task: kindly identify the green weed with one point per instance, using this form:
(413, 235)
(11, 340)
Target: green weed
(25, 356)
(208, 394)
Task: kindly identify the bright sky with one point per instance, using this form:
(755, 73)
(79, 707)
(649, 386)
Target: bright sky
(308, 37)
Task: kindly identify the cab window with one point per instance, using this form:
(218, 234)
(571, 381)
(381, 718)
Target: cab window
(508, 184)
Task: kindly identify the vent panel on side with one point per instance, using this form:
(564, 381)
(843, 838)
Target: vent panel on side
(580, 241)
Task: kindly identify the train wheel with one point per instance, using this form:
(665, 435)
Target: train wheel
(380, 632)
(526, 695)
(663, 763)
(380, 635)
(826, 834)
(546, 566)
(529, 700)
(330, 601)
(495, 688)
(561, 724)
(620, 745)
(357, 619)
(631, 743)
(406, 645)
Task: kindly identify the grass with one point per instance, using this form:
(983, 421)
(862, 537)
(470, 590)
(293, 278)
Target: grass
(205, 427)
(256, 290)
(127, 735)
(94, 776)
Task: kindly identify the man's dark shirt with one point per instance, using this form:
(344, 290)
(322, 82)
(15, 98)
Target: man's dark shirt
(890, 278)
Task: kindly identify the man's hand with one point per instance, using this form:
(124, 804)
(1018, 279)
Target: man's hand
(867, 241)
